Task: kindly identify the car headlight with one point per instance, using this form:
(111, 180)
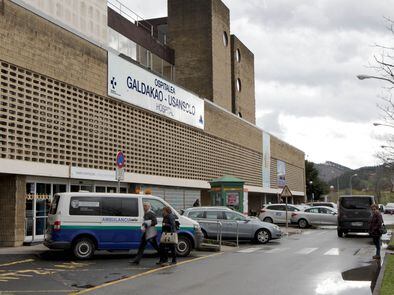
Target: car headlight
(276, 227)
(197, 227)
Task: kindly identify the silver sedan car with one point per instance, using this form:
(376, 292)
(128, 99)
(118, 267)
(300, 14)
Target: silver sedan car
(318, 215)
(248, 228)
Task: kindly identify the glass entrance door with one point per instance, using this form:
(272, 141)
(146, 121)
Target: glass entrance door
(38, 200)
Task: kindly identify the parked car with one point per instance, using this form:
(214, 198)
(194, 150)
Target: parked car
(276, 213)
(354, 213)
(326, 204)
(248, 228)
(85, 222)
(389, 208)
(317, 215)
(381, 207)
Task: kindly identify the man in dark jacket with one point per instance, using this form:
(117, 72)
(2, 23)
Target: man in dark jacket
(375, 226)
(149, 232)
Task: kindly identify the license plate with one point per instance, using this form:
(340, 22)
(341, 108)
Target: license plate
(357, 224)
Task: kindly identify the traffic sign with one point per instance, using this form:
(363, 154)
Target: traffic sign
(120, 160)
(286, 192)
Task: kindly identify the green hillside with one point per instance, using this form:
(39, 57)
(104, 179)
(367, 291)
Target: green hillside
(377, 181)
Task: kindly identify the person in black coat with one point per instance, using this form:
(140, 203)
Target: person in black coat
(375, 226)
(149, 232)
(169, 226)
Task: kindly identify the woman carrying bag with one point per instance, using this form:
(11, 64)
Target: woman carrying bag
(169, 237)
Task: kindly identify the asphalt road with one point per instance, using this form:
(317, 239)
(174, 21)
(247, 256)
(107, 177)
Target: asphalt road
(314, 261)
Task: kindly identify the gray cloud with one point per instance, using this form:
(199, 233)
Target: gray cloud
(323, 15)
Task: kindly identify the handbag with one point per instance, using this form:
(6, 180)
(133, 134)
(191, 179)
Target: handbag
(383, 229)
(169, 238)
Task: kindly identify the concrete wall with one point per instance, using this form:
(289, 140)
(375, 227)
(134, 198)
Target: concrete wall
(56, 72)
(221, 55)
(202, 61)
(229, 127)
(189, 34)
(34, 43)
(12, 210)
(295, 164)
(243, 101)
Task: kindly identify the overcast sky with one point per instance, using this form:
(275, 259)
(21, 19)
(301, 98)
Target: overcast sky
(307, 55)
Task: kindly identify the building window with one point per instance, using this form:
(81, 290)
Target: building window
(225, 39)
(239, 85)
(238, 55)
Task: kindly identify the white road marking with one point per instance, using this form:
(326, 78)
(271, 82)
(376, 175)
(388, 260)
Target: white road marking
(306, 232)
(248, 250)
(276, 250)
(306, 251)
(332, 251)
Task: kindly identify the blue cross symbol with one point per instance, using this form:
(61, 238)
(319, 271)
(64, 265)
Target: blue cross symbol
(113, 82)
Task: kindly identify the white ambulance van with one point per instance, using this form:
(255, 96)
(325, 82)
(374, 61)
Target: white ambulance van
(85, 222)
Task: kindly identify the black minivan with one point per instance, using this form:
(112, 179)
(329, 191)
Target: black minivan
(354, 213)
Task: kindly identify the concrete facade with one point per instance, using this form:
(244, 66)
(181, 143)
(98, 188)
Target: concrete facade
(202, 60)
(12, 210)
(242, 73)
(56, 114)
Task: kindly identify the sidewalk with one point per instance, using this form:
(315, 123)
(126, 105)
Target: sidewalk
(291, 230)
(23, 250)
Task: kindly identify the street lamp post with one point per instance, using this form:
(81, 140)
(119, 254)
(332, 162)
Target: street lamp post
(337, 183)
(351, 189)
(312, 194)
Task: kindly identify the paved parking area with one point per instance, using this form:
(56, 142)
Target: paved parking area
(37, 270)
(52, 272)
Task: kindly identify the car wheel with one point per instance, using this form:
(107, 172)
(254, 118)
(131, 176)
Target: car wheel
(303, 223)
(268, 219)
(83, 248)
(340, 233)
(262, 236)
(184, 246)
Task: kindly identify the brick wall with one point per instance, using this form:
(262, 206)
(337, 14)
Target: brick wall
(221, 55)
(54, 84)
(227, 126)
(243, 69)
(12, 210)
(32, 42)
(189, 27)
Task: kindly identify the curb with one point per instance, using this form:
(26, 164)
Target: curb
(378, 285)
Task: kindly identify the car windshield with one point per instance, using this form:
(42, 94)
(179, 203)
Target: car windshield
(356, 203)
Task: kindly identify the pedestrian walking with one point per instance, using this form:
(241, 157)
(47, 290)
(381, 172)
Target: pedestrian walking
(149, 232)
(375, 229)
(169, 237)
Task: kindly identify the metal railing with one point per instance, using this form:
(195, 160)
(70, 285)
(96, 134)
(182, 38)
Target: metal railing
(219, 230)
(219, 227)
(126, 12)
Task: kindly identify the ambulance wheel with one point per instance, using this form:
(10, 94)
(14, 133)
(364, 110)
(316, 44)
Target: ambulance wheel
(83, 248)
(184, 246)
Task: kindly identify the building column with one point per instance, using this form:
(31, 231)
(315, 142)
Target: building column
(12, 210)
